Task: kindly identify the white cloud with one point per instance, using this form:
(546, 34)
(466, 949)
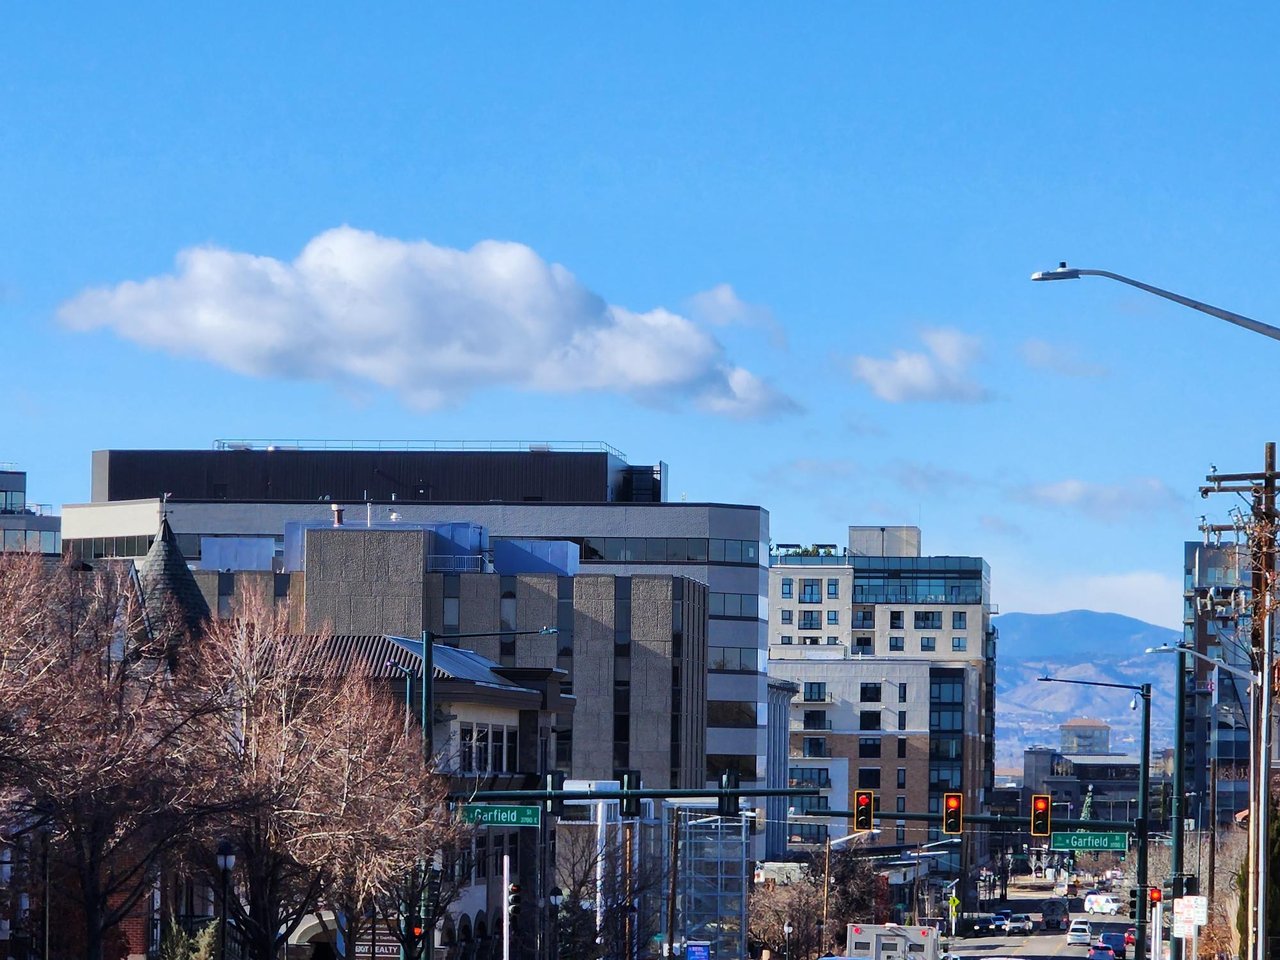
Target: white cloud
(941, 372)
(721, 306)
(1102, 501)
(430, 323)
(1147, 595)
(1043, 355)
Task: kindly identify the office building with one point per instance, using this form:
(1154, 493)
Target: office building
(25, 525)
(894, 654)
(614, 512)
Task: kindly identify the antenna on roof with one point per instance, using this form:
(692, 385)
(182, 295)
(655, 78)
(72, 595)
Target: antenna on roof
(164, 506)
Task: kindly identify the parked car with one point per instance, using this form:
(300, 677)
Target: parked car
(1001, 920)
(1020, 923)
(1079, 934)
(1099, 952)
(1115, 940)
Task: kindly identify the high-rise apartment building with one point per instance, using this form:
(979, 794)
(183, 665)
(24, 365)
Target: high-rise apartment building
(894, 654)
(1216, 622)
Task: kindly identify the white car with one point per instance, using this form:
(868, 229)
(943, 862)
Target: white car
(1020, 923)
(1078, 934)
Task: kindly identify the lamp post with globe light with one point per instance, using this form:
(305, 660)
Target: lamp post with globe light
(226, 863)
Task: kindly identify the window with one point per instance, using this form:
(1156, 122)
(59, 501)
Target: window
(819, 777)
(869, 693)
(815, 692)
(810, 591)
(869, 748)
(833, 618)
(731, 713)
(895, 620)
(900, 833)
(864, 619)
(863, 646)
(832, 641)
(928, 644)
(785, 639)
(896, 644)
(869, 720)
(833, 589)
(900, 805)
(902, 748)
(928, 619)
(816, 720)
(806, 805)
(787, 584)
(902, 778)
(958, 618)
(810, 620)
(902, 719)
(786, 616)
(959, 643)
(868, 778)
(482, 856)
(815, 747)
(902, 692)
(733, 604)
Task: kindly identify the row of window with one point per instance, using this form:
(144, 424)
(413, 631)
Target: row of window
(667, 550)
(489, 849)
(815, 691)
(487, 748)
(31, 541)
(13, 501)
(817, 746)
(810, 590)
(735, 658)
(811, 619)
(865, 645)
(734, 605)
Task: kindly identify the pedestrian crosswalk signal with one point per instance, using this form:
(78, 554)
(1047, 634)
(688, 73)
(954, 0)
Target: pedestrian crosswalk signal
(952, 813)
(1040, 808)
(864, 809)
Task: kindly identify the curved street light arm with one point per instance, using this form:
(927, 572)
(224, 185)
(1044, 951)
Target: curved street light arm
(1063, 272)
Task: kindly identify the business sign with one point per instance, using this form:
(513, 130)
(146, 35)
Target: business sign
(495, 815)
(1089, 841)
(697, 950)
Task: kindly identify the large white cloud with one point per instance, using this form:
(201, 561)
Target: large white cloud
(430, 323)
(939, 373)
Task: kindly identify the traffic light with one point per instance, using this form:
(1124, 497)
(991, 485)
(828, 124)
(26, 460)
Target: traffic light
(1154, 896)
(1135, 903)
(864, 809)
(952, 813)
(513, 900)
(727, 805)
(1040, 810)
(555, 781)
(629, 807)
(413, 925)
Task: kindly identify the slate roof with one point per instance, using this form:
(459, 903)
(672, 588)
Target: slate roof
(379, 652)
(168, 587)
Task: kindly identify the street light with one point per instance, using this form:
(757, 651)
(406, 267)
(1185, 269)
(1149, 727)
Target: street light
(1063, 272)
(786, 937)
(226, 863)
(1143, 692)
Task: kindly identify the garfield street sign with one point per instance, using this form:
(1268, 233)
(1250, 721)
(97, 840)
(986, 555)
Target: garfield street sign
(1089, 841)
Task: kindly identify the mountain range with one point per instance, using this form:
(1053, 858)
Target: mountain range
(1078, 645)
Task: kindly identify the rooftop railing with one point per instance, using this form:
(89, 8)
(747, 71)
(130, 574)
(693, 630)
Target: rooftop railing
(483, 446)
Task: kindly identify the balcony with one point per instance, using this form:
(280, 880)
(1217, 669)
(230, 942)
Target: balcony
(822, 783)
(819, 698)
(811, 724)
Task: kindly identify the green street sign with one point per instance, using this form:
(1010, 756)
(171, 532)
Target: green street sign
(492, 815)
(1089, 841)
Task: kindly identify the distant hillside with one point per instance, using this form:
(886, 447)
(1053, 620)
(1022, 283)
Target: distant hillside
(1077, 645)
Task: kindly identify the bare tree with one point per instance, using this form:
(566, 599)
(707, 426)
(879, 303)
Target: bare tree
(95, 733)
(842, 892)
(334, 801)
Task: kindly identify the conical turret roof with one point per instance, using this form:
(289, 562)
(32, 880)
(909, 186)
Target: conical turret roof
(172, 596)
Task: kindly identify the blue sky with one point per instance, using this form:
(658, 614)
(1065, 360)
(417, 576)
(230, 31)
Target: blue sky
(784, 249)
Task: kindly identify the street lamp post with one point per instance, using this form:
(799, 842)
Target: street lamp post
(786, 940)
(1143, 692)
(226, 863)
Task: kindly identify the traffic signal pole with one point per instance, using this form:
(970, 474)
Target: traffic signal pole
(1140, 826)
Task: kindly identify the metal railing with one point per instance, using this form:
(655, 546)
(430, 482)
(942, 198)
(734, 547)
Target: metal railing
(483, 446)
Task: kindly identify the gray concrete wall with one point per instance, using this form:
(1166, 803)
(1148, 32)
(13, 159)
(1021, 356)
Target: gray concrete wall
(365, 581)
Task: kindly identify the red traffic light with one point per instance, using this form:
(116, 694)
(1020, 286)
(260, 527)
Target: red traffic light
(1042, 804)
(953, 802)
(1154, 895)
(863, 799)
